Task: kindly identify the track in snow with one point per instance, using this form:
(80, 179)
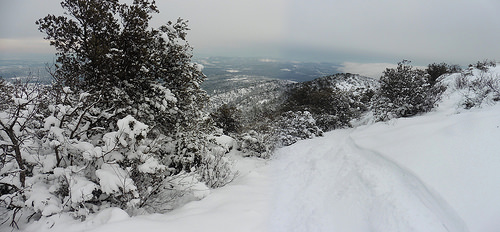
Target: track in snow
(332, 184)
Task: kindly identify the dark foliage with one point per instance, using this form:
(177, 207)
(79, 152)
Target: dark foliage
(295, 126)
(404, 92)
(436, 70)
(483, 65)
(330, 106)
(107, 49)
(226, 117)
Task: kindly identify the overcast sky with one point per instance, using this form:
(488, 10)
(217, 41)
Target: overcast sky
(351, 31)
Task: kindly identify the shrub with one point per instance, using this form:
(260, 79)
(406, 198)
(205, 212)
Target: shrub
(226, 117)
(478, 86)
(436, 70)
(404, 92)
(330, 106)
(257, 144)
(483, 65)
(295, 126)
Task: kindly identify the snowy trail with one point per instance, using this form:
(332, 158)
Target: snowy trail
(382, 177)
(340, 186)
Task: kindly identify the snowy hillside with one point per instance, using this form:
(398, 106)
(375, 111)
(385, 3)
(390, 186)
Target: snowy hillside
(435, 172)
(346, 81)
(249, 96)
(264, 91)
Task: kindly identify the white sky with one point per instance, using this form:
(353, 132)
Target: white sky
(355, 31)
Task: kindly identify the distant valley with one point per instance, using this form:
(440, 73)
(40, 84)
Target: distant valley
(223, 73)
(226, 73)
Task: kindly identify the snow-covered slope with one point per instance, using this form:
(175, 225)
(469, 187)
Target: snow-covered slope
(458, 156)
(346, 81)
(333, 184)
(435, 172)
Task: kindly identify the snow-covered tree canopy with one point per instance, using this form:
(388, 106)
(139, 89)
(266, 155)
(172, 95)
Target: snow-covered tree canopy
(108, 49)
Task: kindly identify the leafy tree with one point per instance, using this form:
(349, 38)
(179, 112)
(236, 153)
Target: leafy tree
(404, 92)
(108, 49)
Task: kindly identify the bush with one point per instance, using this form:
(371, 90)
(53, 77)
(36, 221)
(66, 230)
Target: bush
(404, 92)
(331, 107)
(478, 86)
(226, 117)
(483, 65)
(257, 144)
(295, 126)
(436, 70)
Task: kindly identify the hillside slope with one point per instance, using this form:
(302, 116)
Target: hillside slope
(436, 172)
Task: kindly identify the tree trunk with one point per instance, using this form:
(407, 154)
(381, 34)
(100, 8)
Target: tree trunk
(18, 156)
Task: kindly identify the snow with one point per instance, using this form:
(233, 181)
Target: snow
(340, 186)
(150, 165)
(456, 155)
(226, 142)
(434, 172)
(42, 200)
(132, 128)
(114, 179)
(81, 189)
(19, 101)
(109, 215)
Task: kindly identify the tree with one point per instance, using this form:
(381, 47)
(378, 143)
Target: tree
(124, 114)
(404, 92)
(107, 49)
(295, 126)
(20, 105)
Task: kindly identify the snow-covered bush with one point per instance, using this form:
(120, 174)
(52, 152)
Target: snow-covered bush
(331, 106)
(295, 126)
(20, 105)
(477, 86)
(483, 65)
(215, 169)
(71, 166)
(173, 191)
(257, 144)
(226, 117)
(404, 92)
(85, 169)
(436, 70)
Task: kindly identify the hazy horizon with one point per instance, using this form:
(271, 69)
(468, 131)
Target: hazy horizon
(351, 32)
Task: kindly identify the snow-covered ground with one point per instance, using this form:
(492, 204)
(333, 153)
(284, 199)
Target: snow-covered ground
(435, 172)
